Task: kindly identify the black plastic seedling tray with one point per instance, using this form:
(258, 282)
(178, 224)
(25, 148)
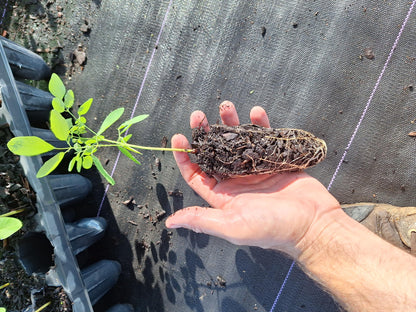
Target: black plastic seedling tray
(53, 236)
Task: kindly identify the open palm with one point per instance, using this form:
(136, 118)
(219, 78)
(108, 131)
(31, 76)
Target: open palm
(270, 211)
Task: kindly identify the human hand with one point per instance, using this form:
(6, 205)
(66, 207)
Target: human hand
(278, 211)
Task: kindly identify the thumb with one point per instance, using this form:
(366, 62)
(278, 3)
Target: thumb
(199, 219)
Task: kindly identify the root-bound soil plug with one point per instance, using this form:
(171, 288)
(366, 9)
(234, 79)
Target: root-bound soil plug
(227, 151)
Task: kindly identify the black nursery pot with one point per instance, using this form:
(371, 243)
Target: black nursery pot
(53, 239)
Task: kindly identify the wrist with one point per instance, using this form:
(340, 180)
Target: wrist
(356, 266)
(322, 235)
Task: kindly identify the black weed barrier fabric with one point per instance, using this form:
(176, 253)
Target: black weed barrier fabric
(311, 64)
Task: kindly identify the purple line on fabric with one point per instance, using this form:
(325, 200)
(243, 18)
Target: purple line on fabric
(354, 133)
(4, 12)
(371, 95)
(283, 286)
(138, 98)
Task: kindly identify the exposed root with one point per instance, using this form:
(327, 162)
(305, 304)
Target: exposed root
(249, 149)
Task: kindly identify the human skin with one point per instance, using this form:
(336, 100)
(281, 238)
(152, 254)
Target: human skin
(294, 213)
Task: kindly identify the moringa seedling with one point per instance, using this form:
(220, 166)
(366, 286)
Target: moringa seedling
(80, 138)
(239, 150)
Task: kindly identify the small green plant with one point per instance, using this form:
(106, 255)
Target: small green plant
(80, 138)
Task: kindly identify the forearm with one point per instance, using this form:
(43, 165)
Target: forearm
(362, 271)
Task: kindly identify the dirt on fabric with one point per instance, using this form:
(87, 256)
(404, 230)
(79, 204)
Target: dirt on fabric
(57, 30)
(226, 151)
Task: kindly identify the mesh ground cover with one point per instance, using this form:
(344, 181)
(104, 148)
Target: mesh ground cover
(307, 64)
(310, 64)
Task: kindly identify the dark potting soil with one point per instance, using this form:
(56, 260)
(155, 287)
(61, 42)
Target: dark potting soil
(226, 151)
(23, 290)
(28, 290)
(57, 30)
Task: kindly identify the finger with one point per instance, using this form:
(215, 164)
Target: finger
(259, 117)
(228, 114)
(191, 172)
(199, 120)
(201, 220)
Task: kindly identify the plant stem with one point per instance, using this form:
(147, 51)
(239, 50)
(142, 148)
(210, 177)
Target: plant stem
(150, 148)
(64, 148)
(4, 285)
(43, 307)
(167, 149)
(73, 116)
(13, 212)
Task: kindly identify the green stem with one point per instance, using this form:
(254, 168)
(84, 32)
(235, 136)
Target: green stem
(121, 145)
(4, 285)
(63, 148)
(73, 116)
(13, 212)
(168, 149)
(43, 307)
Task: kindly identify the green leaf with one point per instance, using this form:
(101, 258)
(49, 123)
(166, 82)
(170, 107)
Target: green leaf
(91, 141)
(69, 122)
(78, 129)
(127, 137)
(59, 125)
(69, 99)
(125, 125)
(81, 120)
(131, 149)
(101, 169)
(2, 309)
(87, 162)
(50, 165)
(79, 164)
(9, 226)
(29, 146)
(77, 147)
(58, 105)
(56, 86)
(129, 155)
(72, 163)
(84, 108)
(90, 150)
(110, 119)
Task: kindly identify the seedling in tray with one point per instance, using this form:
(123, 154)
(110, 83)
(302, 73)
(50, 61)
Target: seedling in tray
(222, 152)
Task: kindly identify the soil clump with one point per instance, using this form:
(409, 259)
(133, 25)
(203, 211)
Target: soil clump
(226, 151)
